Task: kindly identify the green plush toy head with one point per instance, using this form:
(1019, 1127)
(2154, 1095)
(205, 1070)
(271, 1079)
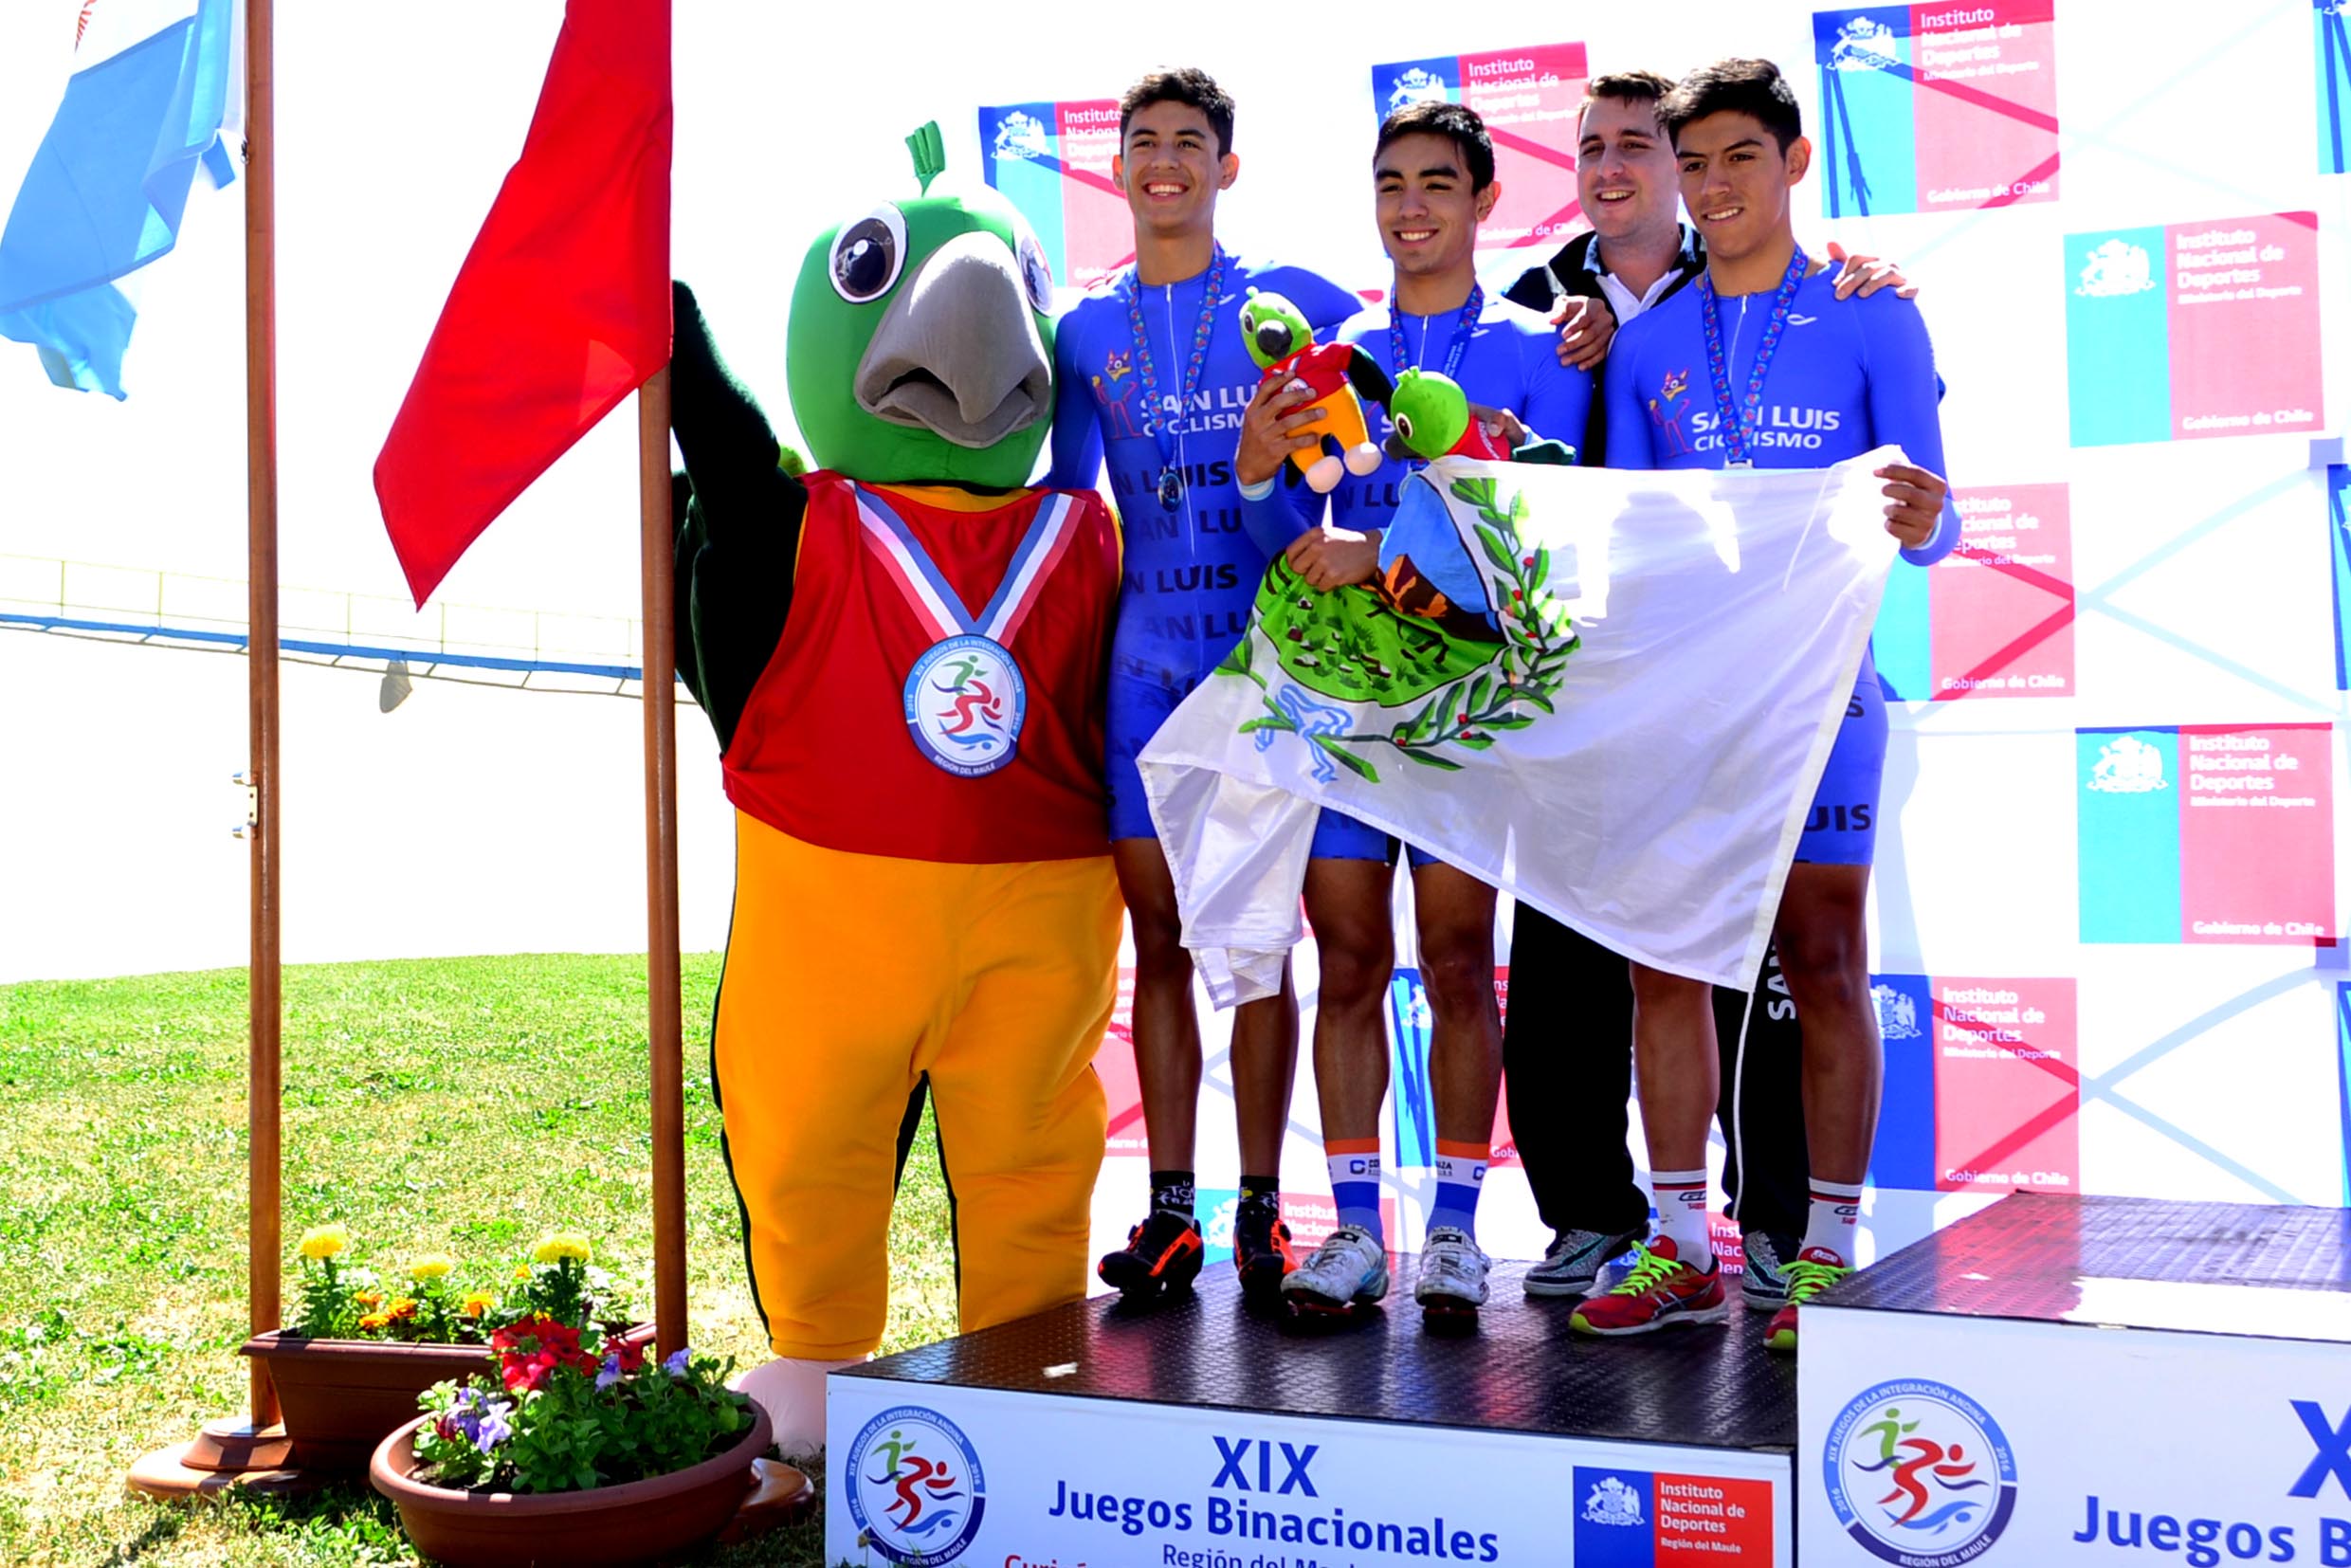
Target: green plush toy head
(1430, 412)
(920, 349)
(1273, 328)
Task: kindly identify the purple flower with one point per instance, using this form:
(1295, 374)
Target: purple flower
(611, 1373)
(495, 1428)
(675, 1363)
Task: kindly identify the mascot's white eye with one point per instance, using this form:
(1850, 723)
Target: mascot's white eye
(1404, 426)
(1036, 273)
(867, 255)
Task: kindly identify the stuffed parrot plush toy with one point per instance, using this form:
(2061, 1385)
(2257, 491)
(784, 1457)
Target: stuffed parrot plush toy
(903, 654)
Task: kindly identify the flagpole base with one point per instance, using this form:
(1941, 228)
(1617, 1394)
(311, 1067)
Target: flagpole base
(231, 1452)
(780, 1495)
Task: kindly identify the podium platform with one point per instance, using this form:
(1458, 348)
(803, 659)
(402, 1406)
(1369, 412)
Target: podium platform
(1200, 1435)
(2085, 1380)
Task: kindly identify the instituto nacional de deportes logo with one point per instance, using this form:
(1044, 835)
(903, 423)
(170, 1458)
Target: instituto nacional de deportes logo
(915, 1489)
(1920, 1474)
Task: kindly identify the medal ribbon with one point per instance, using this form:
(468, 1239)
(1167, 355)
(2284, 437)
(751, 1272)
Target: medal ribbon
(936, 605)
(1464, 326)
(1740, 422)
(1147, 376)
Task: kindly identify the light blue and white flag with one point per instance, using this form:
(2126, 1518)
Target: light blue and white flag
(152, 88)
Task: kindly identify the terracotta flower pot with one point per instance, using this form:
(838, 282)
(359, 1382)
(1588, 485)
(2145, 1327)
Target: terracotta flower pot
(635, 1522)
(339, 1397)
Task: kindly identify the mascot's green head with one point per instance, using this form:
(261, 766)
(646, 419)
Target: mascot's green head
(921, 348)
(1273, 328)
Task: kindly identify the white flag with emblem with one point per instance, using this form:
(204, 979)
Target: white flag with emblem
(1629, 743)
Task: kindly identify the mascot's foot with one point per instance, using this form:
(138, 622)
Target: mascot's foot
(1364, 458)
(1323, 474)
(791, 1390)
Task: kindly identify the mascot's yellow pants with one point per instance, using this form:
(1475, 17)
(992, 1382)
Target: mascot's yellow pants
(850, 978)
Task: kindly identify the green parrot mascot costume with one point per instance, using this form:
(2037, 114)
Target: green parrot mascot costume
(903, 654)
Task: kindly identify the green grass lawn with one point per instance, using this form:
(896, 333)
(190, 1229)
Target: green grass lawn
(464, 1105)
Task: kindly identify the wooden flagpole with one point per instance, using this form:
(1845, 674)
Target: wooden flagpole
(264, 1008)
(250, 1451)
(666, 1033)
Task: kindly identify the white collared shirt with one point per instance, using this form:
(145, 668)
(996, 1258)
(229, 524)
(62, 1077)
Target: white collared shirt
(1622, 299)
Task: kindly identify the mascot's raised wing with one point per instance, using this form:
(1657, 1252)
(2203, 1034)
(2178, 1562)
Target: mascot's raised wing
(903, 656)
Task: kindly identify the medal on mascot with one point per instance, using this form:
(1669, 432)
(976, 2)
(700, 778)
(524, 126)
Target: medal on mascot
(965, 698)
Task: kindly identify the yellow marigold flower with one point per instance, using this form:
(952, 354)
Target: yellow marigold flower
(559, 1245)
(432, 1265)
(375, 1320)
(402, 1310)
(367, 1298)
(325, 1241)
(522, 1271)
(478, 1301)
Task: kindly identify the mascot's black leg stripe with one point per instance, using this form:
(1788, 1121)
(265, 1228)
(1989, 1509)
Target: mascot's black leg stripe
(946, 1174)
(908, 1125)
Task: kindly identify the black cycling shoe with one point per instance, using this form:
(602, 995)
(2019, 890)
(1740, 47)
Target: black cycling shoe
(1163, 1253)
(1261, 1251)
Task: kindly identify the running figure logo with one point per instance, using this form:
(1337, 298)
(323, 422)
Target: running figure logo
(974, 717)
(1919, 1474)
(965, 702)
(1668, 408)
(916, 1491)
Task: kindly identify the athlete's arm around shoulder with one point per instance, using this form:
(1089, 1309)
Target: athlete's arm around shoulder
(1905, 407)
(1629, 444)
(1077, 435)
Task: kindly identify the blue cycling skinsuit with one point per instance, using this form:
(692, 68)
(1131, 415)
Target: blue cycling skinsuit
(1191, 569)
(1848, 375)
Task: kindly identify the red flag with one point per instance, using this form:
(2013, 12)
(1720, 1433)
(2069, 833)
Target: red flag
(562, 307)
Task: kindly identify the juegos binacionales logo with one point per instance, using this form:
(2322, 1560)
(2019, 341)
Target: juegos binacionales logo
(916, 1488)
(1920, 1474)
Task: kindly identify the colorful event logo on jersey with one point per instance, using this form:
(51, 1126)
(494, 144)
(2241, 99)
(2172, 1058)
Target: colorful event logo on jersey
(1932, 108)
(1052, 162)
(2193, 330)
(1920, 1474)
(2207, 833)
(2331, 51)
(1994, 618)
(1982, 1085)
(1529, 99)
(1628, 1518)
(964, 703)
(915, 1488)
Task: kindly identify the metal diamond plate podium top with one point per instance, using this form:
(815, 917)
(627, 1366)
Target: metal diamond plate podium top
(1710, 1386)
(2244, 1270)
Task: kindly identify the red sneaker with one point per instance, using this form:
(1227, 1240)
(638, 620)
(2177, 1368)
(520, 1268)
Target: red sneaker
(1660, 1290)
(1815, 1270)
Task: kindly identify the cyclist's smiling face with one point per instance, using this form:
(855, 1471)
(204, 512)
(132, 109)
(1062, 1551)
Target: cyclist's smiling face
(1170, 166)
(1735, 181)
(1428, 214)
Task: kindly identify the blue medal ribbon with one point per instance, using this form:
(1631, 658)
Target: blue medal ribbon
(1739, 422)
(1171, 479)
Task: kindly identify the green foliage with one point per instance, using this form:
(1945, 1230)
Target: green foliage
(575, 1431)
(411, 1094)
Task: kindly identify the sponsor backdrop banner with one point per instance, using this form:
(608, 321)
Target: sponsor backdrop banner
(1933, 1441)
(2108, 911)
(930, 1475)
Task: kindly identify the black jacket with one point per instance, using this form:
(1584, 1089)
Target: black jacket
(1570, 274)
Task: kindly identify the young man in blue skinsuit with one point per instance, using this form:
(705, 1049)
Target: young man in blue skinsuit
(1154, 380)
(1820, 379)
(1433, 183)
